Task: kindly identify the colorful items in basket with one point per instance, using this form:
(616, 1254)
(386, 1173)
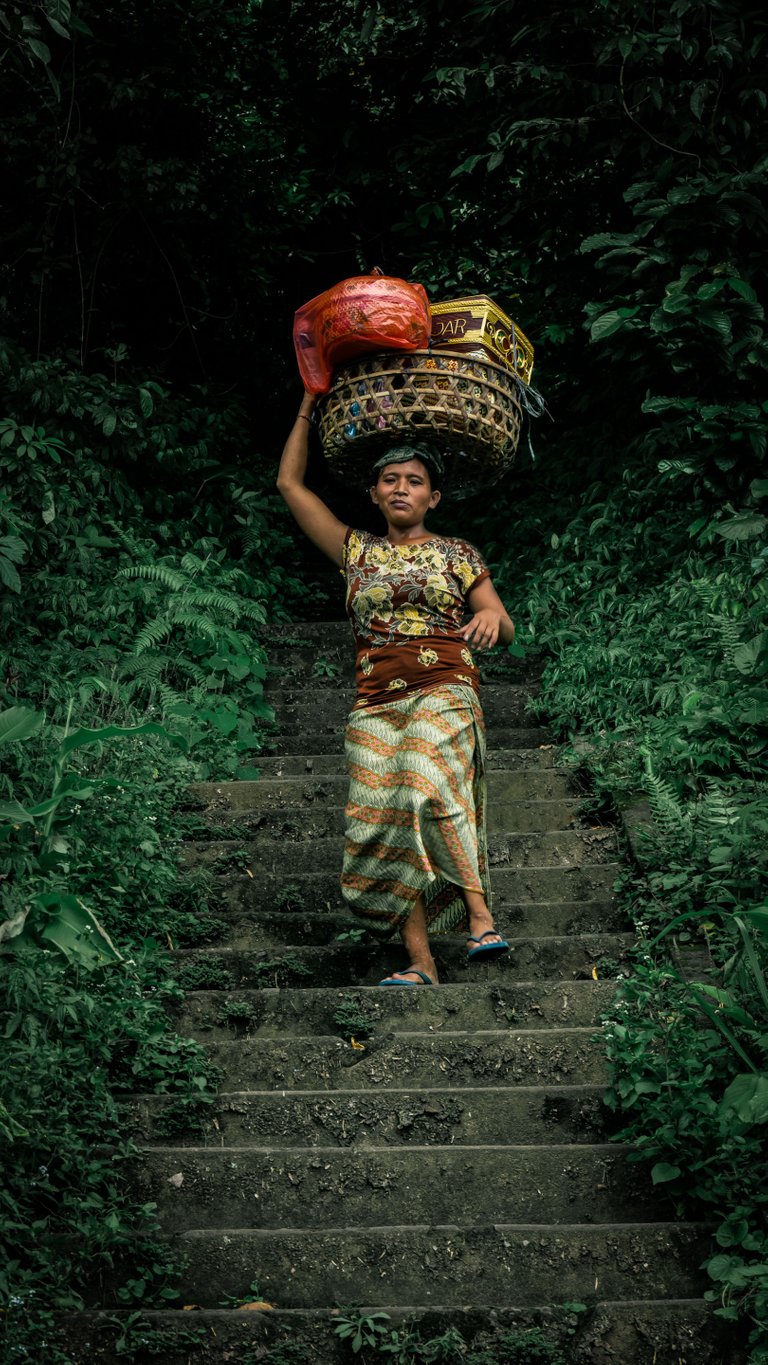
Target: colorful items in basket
(469, 408)
(366, 313)
(477, 326)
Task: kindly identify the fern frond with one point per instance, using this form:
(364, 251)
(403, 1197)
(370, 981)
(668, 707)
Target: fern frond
(187, 668)
(730, 633)
(195, 623)
(148, 668)
(670, 815)
(156, 573)
(168, 698)
(218, 601)
(152, 634)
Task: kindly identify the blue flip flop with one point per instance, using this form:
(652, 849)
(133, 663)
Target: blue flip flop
(486, 949)
(392, 981)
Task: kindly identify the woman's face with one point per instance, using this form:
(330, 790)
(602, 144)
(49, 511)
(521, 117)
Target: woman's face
(404, 493)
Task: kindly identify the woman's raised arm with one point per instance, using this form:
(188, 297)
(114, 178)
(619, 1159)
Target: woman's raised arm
(315, 519)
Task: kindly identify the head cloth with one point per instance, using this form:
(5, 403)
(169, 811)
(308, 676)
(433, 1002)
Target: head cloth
(400, 454)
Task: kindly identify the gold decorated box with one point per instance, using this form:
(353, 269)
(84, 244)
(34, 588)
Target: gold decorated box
(477, 326)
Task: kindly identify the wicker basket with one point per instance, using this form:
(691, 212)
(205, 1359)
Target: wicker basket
(468, 408)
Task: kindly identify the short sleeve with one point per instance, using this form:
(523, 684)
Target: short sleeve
(351, 550)
(468, 565)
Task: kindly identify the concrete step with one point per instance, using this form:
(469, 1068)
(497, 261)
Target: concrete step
(531, 1114)
(501, 1264)
(249, 1187)
(330, 663)
(365, 964)
(632, 1332)
(333, 669)
(331, 741)
(542, 1056)
(278, 1013)
(331, 790)
(313, 710)
(328, 821)
(247, 928)
(557, 848)
(292, 889)
(333, 762)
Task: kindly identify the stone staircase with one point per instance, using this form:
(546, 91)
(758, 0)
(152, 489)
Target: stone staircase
(438, 1154)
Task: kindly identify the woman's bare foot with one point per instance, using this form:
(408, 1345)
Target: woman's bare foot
(416, 943)
(409, 974)
(480, 922)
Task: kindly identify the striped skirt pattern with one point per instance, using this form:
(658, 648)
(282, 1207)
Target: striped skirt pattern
(416, 810)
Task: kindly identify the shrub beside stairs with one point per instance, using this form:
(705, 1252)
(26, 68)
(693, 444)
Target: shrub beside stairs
(441, 1155)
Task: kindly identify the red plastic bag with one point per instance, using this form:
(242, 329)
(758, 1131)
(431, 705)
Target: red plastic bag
(365, 313)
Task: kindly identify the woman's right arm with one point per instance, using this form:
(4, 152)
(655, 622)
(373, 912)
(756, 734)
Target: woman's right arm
(314, 518)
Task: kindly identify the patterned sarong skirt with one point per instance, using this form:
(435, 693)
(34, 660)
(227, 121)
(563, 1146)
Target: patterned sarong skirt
(415, 819)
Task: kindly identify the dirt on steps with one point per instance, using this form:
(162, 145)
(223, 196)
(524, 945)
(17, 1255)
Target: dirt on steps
(414, 1150)
(630, 1332)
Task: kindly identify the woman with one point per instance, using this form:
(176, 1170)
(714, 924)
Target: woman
(415, 856)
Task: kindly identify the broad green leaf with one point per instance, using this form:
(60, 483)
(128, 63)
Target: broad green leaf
(758, 918)
(13, 547)
(747, 1097)
(744, 527)
(40, 49)
(698, 97)
(19, 722)
(79, 738)
(663, 1171)
(12, 812)
(608, 323)
(57, 27)
(9, 574)
(745, 290)
(61, 921)
(747, 655)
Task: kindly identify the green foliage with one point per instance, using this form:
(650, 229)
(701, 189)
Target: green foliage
(136, 1339)
(370, 1336)
(73, 1042)
(701, 1127)
(599, 169)
(352, 1019)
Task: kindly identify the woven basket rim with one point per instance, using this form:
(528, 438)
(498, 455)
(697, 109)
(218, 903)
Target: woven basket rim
(395, 368)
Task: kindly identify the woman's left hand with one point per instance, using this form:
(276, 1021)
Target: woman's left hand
(482, 632)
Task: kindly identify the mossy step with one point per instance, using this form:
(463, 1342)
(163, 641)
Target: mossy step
(247, 927)
(277, 1013)
(495, 1266)
(333, 762)
(505, 1057)
(627, 1332)
(248, 1187)
(556, 848)
(290, 888)
(314, 740)
(331, 790)
(324, 820)
(531, 1114)
(346, 964)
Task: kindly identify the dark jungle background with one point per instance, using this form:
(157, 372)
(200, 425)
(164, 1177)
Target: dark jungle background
(176, 181)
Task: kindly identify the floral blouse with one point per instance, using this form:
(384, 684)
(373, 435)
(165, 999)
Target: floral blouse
(406, 604)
